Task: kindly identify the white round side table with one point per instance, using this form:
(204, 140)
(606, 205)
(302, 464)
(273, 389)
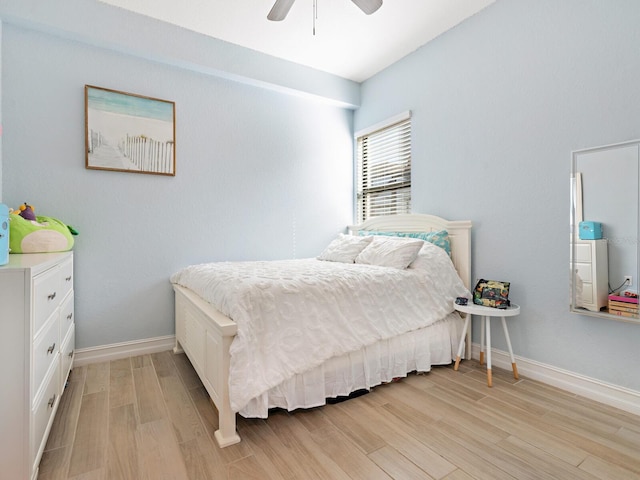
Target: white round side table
(486, 313)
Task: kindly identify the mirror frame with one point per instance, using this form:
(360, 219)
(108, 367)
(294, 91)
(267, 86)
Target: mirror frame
(577, 197)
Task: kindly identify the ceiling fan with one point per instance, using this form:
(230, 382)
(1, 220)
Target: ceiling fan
(281, 8)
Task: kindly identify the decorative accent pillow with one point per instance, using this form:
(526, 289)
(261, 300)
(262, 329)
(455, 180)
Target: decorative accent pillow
(390, 252)
(430, 256)
(45, 234)
(345, 248)
(439, 238)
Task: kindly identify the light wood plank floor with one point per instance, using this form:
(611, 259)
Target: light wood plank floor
(149, 417)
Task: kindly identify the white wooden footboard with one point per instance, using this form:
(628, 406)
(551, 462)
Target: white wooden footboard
(205, 336)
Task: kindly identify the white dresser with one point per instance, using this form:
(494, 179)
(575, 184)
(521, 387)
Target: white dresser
(38, 332)
(592, 266)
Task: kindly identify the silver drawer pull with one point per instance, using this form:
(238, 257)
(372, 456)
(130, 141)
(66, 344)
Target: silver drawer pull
(70, 316)
(51, 296)
(67, 279)
(52, 401)
(51, 348)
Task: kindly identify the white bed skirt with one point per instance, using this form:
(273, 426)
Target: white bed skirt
(379, 363)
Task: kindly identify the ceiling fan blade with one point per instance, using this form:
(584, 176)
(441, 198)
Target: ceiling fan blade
(279, 10)
(368, 6)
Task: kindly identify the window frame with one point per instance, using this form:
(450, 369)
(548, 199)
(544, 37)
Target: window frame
(362, 209)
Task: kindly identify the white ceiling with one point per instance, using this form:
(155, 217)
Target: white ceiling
(347, 42)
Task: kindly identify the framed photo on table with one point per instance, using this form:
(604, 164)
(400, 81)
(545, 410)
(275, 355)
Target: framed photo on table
(125, 132)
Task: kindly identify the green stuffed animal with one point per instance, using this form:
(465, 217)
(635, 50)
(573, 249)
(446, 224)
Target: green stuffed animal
(29, 233)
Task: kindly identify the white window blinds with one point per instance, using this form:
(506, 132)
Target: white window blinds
(384, 169)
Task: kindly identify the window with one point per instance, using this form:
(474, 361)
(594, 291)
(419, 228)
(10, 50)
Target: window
(384, 168)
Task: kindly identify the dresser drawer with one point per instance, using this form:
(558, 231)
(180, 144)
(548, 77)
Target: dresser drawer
(587, 294)
(583, 252)
(46, 296)
(46, 404)
(66, 316)
(66, 277)
(45, 349)
(584, 271)
(67, 352)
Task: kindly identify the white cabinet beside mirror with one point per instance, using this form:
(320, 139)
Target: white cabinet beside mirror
(591, 270)
(604, 252)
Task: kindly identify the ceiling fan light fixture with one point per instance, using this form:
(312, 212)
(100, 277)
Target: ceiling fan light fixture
(280, 10)
(368, 6)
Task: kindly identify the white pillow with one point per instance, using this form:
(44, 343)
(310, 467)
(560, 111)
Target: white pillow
(390, 252)
(430, 256)
(345, 248)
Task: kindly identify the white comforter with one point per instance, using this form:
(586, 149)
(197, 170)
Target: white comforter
(292, 315)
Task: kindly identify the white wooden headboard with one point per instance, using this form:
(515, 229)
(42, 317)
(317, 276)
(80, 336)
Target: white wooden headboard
(459, 235)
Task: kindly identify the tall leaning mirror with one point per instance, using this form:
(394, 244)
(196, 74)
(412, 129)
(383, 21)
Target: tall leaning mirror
(604, 231)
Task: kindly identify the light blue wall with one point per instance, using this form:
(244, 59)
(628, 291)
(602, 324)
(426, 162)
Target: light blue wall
(499, 103)
(261, 174)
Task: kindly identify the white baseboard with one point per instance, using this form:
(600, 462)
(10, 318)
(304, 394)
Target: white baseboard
(613, 395)
(115, 351)
(609, 394)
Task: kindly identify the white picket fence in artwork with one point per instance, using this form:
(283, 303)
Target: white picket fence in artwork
(95, 140)
(147, 154)
(144, 153)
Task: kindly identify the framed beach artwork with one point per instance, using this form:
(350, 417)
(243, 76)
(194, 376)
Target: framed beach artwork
(125, 132)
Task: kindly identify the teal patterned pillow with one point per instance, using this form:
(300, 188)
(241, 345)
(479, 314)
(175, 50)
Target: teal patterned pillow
(439, 238)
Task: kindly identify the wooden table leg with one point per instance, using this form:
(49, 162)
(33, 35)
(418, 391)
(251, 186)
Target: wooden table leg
(514, 367)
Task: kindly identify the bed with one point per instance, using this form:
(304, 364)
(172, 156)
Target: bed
(258, 337)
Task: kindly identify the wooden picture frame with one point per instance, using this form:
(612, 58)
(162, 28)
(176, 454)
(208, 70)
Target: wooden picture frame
(125, 132)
